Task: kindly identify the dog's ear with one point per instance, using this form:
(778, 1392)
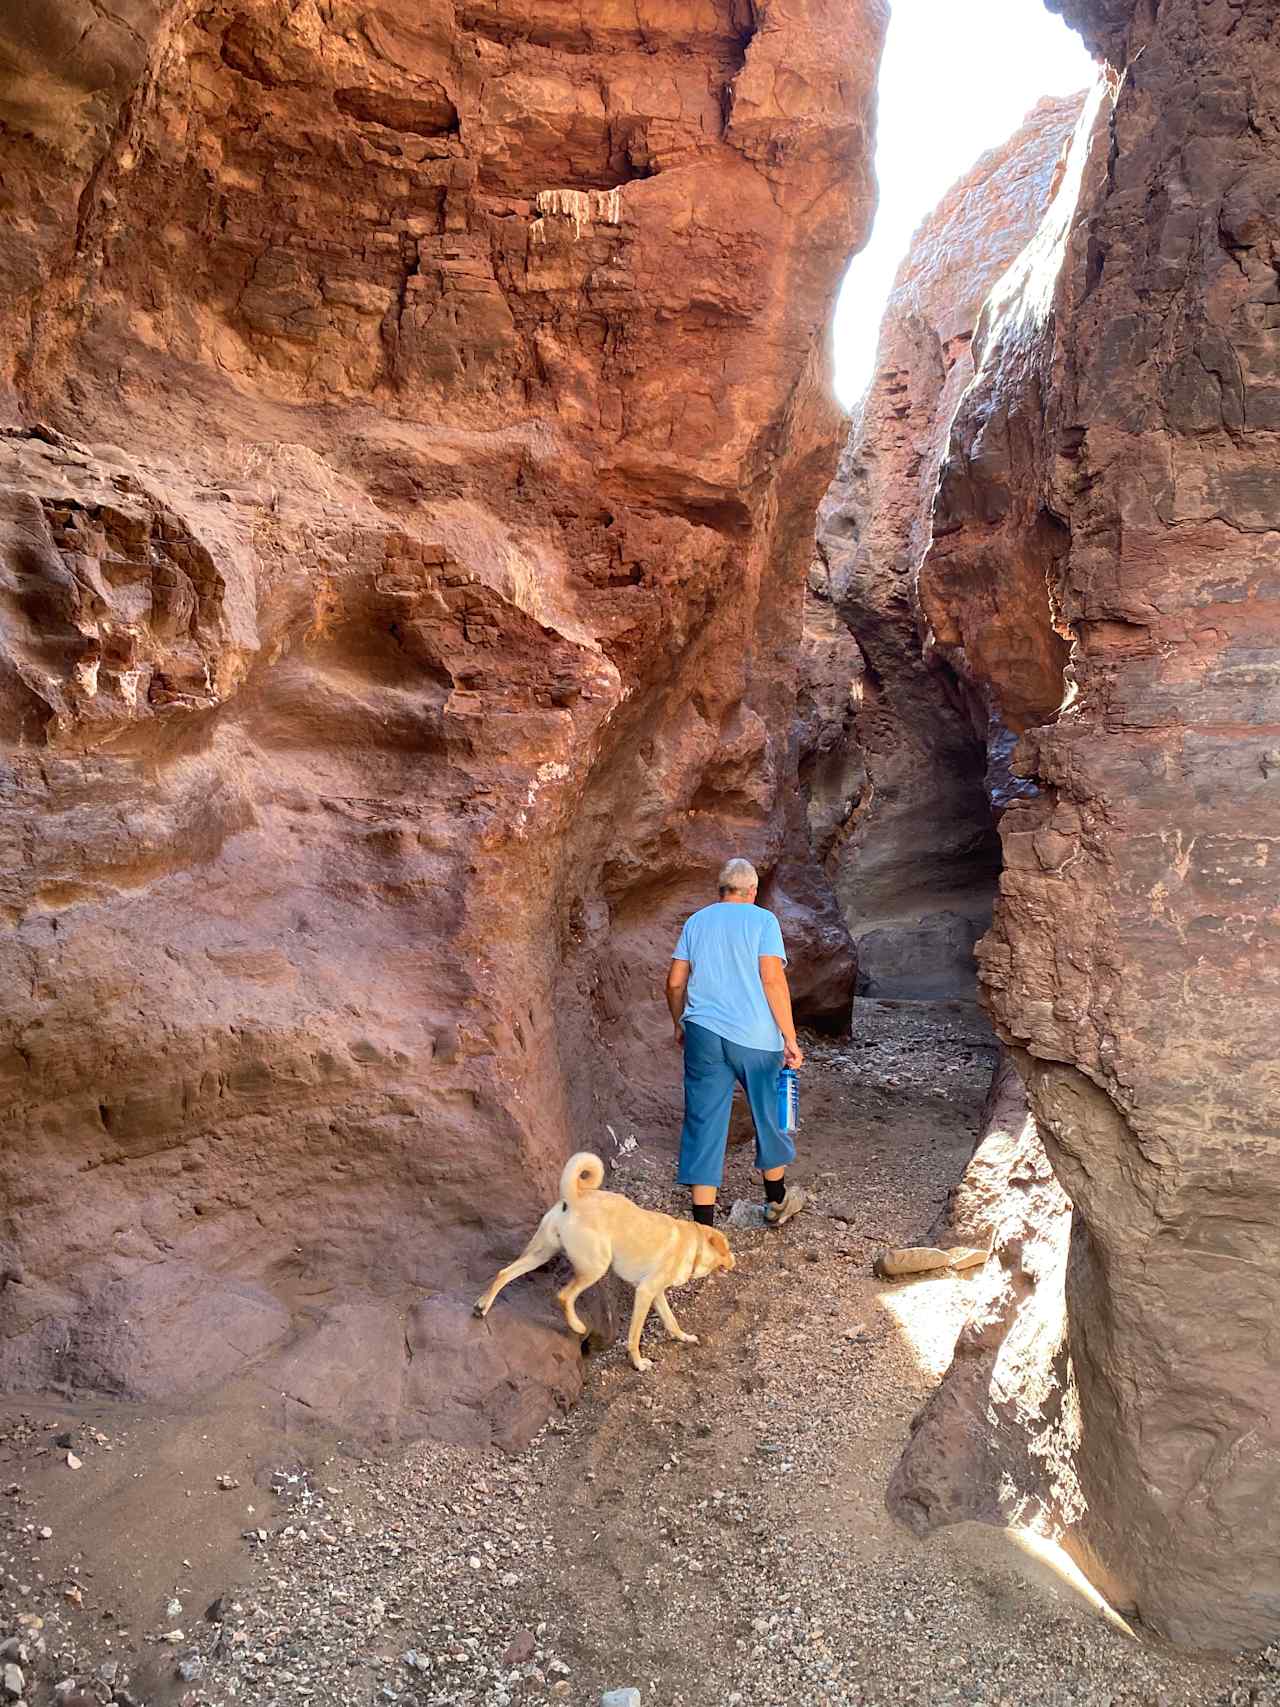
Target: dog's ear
(718, 1242)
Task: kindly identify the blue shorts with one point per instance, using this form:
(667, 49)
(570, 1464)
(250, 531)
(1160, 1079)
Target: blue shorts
(712, 1067)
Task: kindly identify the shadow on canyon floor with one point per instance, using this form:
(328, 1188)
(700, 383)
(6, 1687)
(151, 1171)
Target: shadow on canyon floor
(712, 1533)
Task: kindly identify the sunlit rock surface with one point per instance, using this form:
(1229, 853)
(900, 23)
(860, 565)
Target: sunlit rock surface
(996, 1441)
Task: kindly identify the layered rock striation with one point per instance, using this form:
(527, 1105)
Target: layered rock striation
(901, 798)
(415, 419)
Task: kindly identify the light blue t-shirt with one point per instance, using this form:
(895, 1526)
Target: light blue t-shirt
(723, 943)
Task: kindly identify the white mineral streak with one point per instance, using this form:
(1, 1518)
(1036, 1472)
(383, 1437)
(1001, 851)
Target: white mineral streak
(583, 207)
(548, 772)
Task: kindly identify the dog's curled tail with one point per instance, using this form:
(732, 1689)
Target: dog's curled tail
(582, 1173)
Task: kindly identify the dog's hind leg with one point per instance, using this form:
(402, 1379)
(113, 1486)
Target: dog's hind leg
(639, 1316)
(669, 1321)
(583, 1276)
(544, 1244)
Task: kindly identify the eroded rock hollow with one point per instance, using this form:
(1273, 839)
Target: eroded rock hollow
(415, 420)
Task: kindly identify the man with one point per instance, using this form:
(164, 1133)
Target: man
(727, 991)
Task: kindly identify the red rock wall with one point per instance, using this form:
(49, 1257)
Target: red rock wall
(907, 830)
(1134, 962)
(416, 418)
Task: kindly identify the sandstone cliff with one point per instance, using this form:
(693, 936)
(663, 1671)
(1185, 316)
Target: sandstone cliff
(1134, 958)
(1111, 484)
(898, 773)
(415, 421)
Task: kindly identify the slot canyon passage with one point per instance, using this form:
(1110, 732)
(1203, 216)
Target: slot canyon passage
(415, 418)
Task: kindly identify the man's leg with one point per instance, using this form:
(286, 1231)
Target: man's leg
(757, 1071)
(708, 1099)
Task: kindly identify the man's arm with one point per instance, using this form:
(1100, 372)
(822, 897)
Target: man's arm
(677, 994)
(773, 975)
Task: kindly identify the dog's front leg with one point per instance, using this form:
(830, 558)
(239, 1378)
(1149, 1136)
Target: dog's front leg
(669, 1321)
(541, 1248)
(639, 1316)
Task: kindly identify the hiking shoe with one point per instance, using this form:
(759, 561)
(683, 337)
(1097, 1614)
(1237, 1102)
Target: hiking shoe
(794, 1201)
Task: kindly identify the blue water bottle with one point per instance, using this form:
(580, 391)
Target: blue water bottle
(788, 1099)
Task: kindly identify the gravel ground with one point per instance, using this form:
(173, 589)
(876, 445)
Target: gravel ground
(710, 1533)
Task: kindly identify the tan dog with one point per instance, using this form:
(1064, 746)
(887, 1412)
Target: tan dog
(598, 1230)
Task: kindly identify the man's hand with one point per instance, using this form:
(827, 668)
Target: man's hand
(792, 1054)
(679, 1035)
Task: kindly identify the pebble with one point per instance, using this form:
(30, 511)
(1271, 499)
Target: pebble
(746, 1214)
(520, 1649)
(621, 1698)
(13, 1680)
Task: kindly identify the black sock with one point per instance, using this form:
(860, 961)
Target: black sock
(775, 1189)
(705, 1214)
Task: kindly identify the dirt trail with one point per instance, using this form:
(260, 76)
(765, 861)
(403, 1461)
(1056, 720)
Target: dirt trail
(711, 1533)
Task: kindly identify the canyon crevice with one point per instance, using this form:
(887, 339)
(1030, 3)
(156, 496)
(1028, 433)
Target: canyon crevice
(902, 804)
(414, 423)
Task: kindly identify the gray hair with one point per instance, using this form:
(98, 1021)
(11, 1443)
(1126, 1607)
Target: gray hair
(737, 874)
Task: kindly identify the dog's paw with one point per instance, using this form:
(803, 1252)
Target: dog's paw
(643, 1364)
(480, 1308)
(687, 1339)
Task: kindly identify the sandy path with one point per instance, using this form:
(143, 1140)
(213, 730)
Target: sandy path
(712, 1533)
